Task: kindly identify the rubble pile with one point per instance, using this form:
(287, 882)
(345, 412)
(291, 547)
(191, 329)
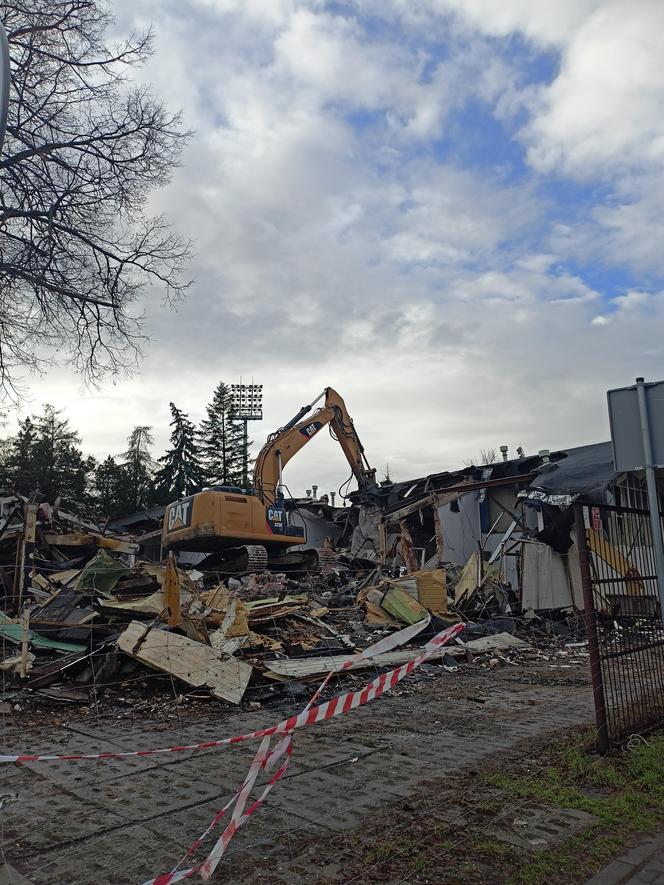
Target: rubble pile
(85, 617)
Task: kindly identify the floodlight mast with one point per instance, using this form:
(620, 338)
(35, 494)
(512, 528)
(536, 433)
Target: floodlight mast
(247, 402)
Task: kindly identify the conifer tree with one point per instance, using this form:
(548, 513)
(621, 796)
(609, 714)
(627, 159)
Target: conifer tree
(138, 464)
(180, 473)
(19, 466)
(221, 440)
(112, 489)
(45, 458)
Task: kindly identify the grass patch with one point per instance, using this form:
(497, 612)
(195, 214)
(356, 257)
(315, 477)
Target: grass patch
(625, 793)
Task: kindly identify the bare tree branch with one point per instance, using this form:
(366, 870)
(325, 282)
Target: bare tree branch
(84, 149)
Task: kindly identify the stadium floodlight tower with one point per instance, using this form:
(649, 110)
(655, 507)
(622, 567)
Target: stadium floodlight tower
(247, 400)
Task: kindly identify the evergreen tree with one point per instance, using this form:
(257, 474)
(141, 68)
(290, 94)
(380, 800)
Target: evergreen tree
(5, 452)
(45, 457)
(181, 472)
(221, 440)
(5, 474)
(19, 466)
(112, 489)
(138, 465)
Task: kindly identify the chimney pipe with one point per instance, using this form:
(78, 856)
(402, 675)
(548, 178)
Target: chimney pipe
(504, 450)
(544, 455)
(520, 452)
(315, 491)
(308, 493)
(332, 497)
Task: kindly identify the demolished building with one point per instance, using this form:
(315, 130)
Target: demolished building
(512, 520)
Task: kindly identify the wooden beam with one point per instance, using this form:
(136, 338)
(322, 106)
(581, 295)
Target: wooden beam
(172, 592)
(88, 539)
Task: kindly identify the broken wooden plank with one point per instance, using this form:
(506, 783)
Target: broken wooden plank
(377, 615)
(266, 610)
(85, 539)
(172, 592)
(469, 579)
(194, 663)
(143, 605)
(64, 577)
(496, 642)
(300, 668)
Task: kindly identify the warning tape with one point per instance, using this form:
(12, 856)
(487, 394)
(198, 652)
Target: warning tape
(265, 759)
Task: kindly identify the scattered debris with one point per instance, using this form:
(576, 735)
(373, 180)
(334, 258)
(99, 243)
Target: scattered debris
(84, 608)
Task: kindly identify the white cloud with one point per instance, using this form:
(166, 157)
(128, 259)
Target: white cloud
(604, 108)
(548, 23)
(339, 243)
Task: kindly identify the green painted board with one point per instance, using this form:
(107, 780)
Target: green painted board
(14, 633)
(403, 606)
(101, 574)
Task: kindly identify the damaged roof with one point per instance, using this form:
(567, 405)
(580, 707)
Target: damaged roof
(585, 470)
(582, 470)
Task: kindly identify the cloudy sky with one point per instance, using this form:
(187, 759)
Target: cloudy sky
(449, 210)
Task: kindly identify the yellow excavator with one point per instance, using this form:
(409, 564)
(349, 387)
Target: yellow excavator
(250, 530)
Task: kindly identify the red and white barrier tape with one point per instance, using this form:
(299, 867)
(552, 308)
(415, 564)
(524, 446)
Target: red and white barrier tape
(264, 759)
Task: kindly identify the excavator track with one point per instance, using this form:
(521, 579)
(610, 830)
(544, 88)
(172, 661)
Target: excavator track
(326, 560)
(237, 560)
(255, 558)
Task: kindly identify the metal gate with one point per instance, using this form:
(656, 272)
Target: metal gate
(623, 619)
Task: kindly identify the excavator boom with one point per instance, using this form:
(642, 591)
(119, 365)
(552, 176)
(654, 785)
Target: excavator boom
(288, 440)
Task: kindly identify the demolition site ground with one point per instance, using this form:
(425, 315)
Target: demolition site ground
(477, 772)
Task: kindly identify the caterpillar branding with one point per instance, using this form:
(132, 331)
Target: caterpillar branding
(179, 515)
(276, 520)
(311, 429)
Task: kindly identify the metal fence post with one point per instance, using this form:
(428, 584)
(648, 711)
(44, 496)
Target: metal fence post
(590, 616)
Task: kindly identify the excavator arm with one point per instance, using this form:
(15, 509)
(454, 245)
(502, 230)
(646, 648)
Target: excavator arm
(288, 440)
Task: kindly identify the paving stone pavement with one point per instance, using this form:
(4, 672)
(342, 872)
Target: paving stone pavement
(116, 821)
(643, 865)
